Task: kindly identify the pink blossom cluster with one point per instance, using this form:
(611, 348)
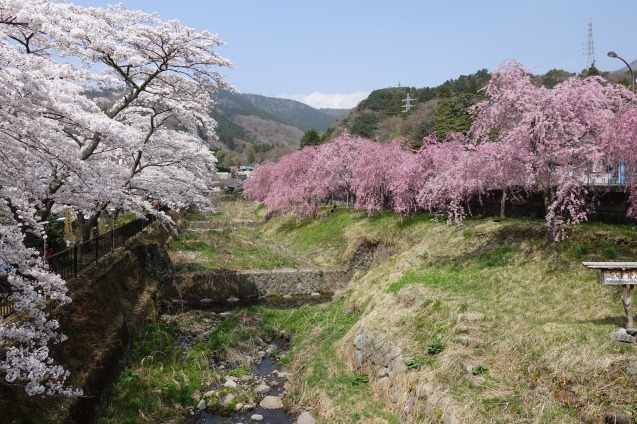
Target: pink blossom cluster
(525, 139)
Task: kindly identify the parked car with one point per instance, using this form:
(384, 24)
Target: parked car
(233, 188)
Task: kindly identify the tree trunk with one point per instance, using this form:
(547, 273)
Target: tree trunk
(503, 201)
(551, 219)
(86, 225)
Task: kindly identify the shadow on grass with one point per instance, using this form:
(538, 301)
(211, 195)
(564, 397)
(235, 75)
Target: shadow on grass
(615, 320)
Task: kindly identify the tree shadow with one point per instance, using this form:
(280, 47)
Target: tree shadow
(615, 320)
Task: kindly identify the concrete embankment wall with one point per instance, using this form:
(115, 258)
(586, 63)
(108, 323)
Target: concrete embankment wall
(111, 305)
(221, 284)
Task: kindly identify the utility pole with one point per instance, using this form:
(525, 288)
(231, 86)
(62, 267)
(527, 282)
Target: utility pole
(407, 104)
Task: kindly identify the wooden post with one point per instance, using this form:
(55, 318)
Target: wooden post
(627, 299)
(619, 274)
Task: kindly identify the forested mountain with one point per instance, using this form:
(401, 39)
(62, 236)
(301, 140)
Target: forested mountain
(434, 110)
(261, 127)
(296, 113)
(438, 110)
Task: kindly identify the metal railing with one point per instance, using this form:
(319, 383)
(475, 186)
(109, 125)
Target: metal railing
(71, 262)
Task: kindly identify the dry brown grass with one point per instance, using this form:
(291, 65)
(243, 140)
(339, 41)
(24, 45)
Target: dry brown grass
(546, 326)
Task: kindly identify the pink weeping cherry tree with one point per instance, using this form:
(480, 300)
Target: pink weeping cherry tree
(553, 136)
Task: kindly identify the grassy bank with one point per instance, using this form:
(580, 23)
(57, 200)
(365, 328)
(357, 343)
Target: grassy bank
(541, 320)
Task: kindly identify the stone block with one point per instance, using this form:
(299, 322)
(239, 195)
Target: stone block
(472, 316)
(305, 418)
(358, 358)
(360, 341)
(383, 383)
(621, 335)
(394, 361)
(470, 340)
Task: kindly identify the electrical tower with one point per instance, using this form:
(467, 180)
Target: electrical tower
(590, 50)
(407, 104)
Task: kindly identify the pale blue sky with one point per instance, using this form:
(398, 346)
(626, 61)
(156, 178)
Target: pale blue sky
(349, 48)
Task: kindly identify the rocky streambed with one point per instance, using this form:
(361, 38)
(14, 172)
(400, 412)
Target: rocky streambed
(236, 376)
(249, 388)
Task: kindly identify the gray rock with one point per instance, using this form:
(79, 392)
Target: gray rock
(262, 389)
(230, 384)
(358, 358)
(472, 316)
(393, 362)
(382, 372)
(271, 402)
(411, 400)
(256, 417)
(305, 418)
(470, 340)
(238, 407)
(448, 418)
(617, 418)
(205, 301)
(621, 335)
(632, 331)
(315, 294)
(201, 405)
(379, 342)
(397, 369)
(395, 352)
(232, 299)
(465, 327)
(228, 399)
(360, 341)
(383, 383)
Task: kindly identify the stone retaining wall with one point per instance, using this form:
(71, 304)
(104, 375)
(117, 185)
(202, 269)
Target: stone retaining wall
(383, 362)
(221, 284)
(220, 225)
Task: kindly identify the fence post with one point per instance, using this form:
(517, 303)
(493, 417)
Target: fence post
(75, 260)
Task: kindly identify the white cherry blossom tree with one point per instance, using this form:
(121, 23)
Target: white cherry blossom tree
(98, 107)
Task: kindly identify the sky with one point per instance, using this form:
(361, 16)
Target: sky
(333, 53)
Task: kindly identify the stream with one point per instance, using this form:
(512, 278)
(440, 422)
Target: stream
(265, 379)
(265, 369)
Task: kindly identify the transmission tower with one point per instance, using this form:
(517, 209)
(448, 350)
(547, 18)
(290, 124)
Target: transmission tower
(407, 104)
(590, 50)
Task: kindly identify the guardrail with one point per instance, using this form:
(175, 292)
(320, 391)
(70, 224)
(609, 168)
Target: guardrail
(71, 262)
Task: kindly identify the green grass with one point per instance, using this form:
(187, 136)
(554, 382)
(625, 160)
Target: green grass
(256, 257)
(317, 329)
(312, 238)
(159, 380)
(546, 327)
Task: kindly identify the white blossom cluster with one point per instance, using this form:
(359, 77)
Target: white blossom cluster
(99, 108)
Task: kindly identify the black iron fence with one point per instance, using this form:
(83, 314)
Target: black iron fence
(71, 262)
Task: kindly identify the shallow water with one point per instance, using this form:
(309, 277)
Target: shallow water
(270, 416)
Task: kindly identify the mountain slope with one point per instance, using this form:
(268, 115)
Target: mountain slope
(271, 126)
(295, 113)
